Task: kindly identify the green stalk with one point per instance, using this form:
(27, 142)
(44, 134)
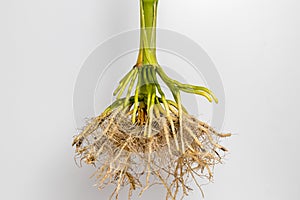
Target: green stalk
(148, 18)
(146, 71)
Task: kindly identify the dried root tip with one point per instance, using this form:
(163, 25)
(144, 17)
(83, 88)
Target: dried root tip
(90, 159)
(78, 141)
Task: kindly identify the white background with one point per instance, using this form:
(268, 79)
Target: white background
(255, 45)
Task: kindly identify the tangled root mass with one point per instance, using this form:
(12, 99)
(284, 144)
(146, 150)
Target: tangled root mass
(125, 152)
